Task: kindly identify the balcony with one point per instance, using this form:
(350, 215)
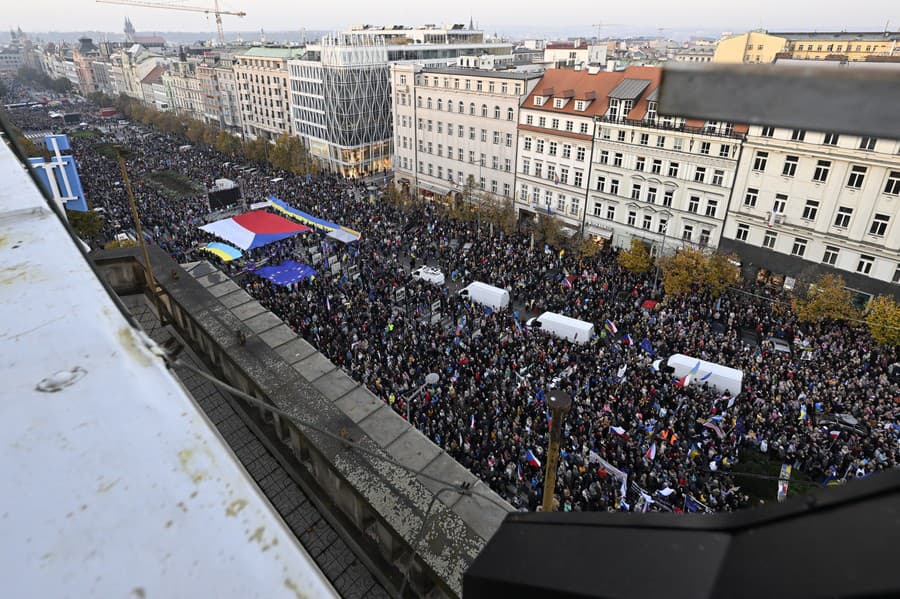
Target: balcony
(660, 126)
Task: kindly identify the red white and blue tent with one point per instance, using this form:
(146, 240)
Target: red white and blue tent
(254, 229)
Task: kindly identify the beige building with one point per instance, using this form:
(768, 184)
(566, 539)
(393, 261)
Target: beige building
(763, 46)
(808, 203)
(264, 90)
(184, 89)
(453, 124)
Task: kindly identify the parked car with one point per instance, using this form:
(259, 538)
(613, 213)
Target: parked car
(430, 274)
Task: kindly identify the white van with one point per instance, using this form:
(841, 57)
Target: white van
(721, 378)
(486, 295)
(563, 327)
(430, 274)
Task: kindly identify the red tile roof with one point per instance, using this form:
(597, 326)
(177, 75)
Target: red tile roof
(596, 87)
(154, 76)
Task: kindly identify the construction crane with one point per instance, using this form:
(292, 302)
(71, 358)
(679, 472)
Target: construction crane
(214, 10)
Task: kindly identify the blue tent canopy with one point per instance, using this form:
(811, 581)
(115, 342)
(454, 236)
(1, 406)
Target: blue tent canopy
(286, 273)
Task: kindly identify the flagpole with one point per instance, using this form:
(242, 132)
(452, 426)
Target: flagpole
(560, 402)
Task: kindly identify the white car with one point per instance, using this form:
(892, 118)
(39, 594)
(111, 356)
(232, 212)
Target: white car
(430, 274)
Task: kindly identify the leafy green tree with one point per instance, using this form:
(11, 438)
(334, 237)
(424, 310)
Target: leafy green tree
(637, 258)
(681, 271)
(88, 224)
(228, 144)
(883, 320)
(720, 273)
(827, 299)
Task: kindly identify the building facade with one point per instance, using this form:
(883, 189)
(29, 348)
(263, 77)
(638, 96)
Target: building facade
(764, 46)
(264, 89)
(811, 203)
(453, 125)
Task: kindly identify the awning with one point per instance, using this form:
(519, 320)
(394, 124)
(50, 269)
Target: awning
(434, 189)
(343, 236)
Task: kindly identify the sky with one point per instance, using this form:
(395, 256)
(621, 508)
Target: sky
(495, 15)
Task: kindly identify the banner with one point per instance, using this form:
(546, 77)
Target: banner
(783, 481)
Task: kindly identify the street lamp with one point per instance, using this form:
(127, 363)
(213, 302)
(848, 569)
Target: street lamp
(559, 402)
(431, 378)
(660, 253)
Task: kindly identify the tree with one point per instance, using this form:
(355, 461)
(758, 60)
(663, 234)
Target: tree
(636, 259)
(228, 144)
(883, 320)
(281, 155)
(195, 130)
(88, 224)
(548, 230)
(681, 271)
(125, 243)
(827, 299)
(505, 215)
(720, 272)
(257, 149)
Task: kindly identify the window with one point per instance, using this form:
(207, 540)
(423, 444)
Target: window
(583, 128)
(660, 141)
(604, 133)
(632, 216)
(558, 102)
(700, 174)
(538, 169)
(484, 135)
(617, 159)
(566, 151)
(892, 186)
(857, 176)
(780, 203)
(506, 190)
(496, 112)
(648, 221)
(867, 143)
(579, 176)
(598, 210)
(510, 113)
(662, 226)
(651, 195)
(610, 213)
(724, 151)
(879, 225)
(821, 173)
(621, 136)
(574, 205)
(539, 146)
(601, 183)
(768, 132)
(830, 256)
(579, 154)
(509, 138)
(790, 166)
(459, 154)
(864, 266)
(687, 232)
(471, 106)
(656, 167)
(507, 164)
(718, 177)
(712, 207)
(704, 237)
(645, 139)
(472, 133)
(831, 139)
(493, 186)
(551, 148)
(526, 145)
(799, 247)
(523, 193)
(636, 191)
(563, 176)
(604, 157)
(554, 124)
(759, 162)
(896, 278)
(639, 163)
(529, 119)
(495, 162)
(769, 239)
(673, 169)
(743, 231)
(842, 220)
(678, 144)
(798, 134)
(704, 147)
(484, 108)
(614, 186)
(668, 195)
(551, 172)
(694, 204)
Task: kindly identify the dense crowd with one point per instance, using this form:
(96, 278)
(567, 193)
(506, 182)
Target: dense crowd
(677, 445)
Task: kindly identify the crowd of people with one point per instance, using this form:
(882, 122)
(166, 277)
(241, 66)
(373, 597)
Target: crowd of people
(634, 439)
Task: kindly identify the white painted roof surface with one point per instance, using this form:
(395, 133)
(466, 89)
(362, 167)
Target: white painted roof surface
(115, 485)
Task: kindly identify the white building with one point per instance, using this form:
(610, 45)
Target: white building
(811, 203)
(262, 77)
(453, 123)
(595, 153)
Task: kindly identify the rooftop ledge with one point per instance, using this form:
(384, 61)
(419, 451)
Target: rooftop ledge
(386, 503)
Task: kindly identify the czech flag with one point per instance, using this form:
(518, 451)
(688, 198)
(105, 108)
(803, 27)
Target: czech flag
(566, 282)
(651, 452)
(683, 381)
(610, 326)
(626, 339)
(617, 430)
(531, 459)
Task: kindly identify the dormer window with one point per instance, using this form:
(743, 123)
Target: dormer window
(539, 100)
(581, 105)
(613, 112)
(651, 111)
(559, 102)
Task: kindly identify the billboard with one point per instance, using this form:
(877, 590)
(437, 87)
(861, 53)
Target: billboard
(220, 199)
